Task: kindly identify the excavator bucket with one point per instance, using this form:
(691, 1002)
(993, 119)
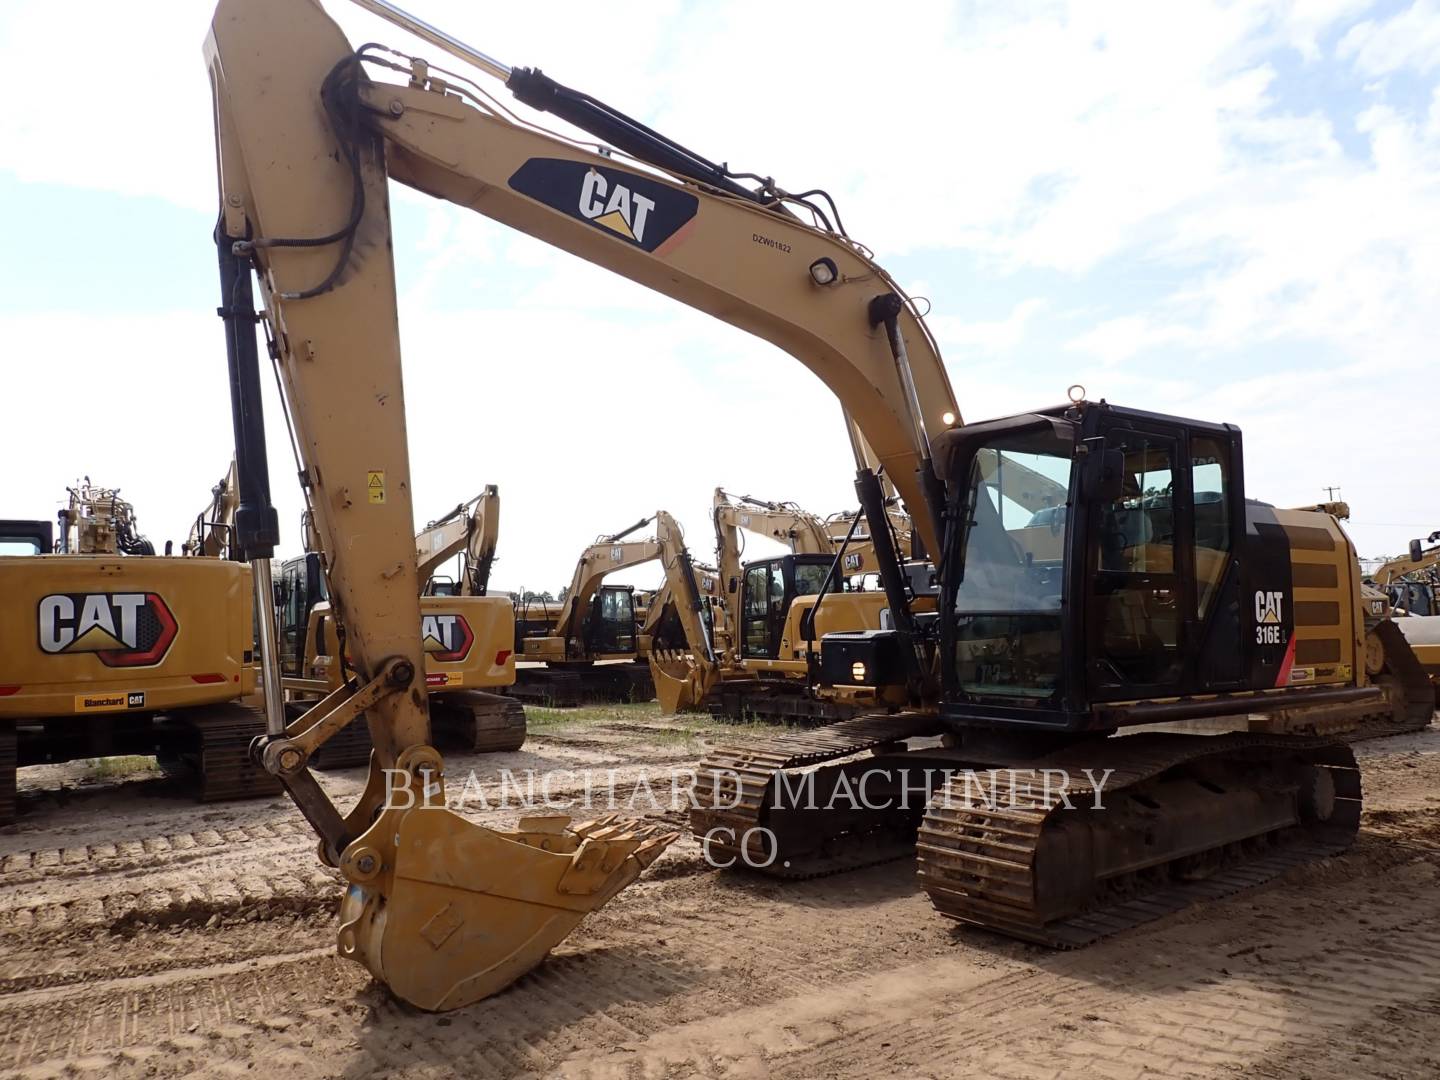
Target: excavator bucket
(464, 910)
(679, 683)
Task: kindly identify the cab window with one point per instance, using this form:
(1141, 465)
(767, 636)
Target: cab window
(1210, 475)
(810, 578)
(1137, 589)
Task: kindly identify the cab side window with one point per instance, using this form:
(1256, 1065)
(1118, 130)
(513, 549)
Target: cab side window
(1210, 473)
(1136, 585)
(1137, 531)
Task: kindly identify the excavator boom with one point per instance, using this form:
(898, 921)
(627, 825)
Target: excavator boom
(442, 911)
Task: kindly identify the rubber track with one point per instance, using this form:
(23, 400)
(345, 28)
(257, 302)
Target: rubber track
(347, 748)
(778, 706)
(978, 844)
(559, 688)
(732, 781)
(472, 721)
(226, 769)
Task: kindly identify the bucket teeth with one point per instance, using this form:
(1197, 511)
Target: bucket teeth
(651, 848)
(590, 828)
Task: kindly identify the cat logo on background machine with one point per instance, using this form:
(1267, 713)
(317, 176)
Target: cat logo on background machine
(447, 638)
(130, 629)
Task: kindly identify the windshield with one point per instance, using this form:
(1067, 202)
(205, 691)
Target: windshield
(1007, 606)
(1015, 543)
(810, 577)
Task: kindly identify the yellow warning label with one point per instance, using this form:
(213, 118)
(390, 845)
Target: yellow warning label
(444, 678)
(100, 702)
(375, 486)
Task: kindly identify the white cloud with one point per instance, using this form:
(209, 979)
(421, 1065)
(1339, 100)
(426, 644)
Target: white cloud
(1409, 39)
(957, 336)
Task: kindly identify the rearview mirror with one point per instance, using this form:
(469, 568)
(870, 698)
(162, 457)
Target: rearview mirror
(1417, 551)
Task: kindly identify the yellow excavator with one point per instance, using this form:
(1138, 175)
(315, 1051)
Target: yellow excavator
(1410, 585)
(771, 624)
(1409, 581)
(593, 650)
(1157, 592)
(107, 648)
(471, 531)
(213, 529)
(467, 635)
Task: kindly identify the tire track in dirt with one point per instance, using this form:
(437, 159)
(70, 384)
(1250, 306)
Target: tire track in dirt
(617, 983)
(1165, 999)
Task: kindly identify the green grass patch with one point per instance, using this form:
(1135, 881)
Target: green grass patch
(585, 715)
(124, 765)
(645, 718)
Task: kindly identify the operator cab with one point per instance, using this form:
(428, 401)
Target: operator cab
(610, 624)
(1094, 575)
(298, 588)
(1096, 562)
(768, 587)
(441, 585)
(1412, 597)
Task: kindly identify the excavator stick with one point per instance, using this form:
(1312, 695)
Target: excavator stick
(441, 910)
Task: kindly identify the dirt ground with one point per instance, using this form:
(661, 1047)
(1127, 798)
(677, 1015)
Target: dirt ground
(142, 935)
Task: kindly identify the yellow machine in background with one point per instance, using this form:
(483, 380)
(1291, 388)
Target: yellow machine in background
(766, 635)
(213, 529)
(468, 640)
(593, 649)
(470, 531)
(1411, 582)
(105, 653)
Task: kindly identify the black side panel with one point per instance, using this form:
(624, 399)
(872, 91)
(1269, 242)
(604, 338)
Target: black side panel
(1221, 664)
(1266, 600)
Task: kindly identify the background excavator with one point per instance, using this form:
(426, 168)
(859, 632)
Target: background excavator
(107, 648)
(1411, 587)
(214, 527)
(1409, 581)
(1162, 593)
(470, 532)
(769, 633)
(467, 636)
(593, 649)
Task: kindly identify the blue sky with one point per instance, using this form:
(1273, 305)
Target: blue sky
(1224, 211)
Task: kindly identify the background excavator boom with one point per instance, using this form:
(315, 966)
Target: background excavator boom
(472, 531)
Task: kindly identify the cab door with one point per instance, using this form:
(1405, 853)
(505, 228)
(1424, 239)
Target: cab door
(612, 622)
(762, 610)
(1139, 586)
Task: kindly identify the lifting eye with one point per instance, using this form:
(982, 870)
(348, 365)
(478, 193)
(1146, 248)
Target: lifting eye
(824, 272)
